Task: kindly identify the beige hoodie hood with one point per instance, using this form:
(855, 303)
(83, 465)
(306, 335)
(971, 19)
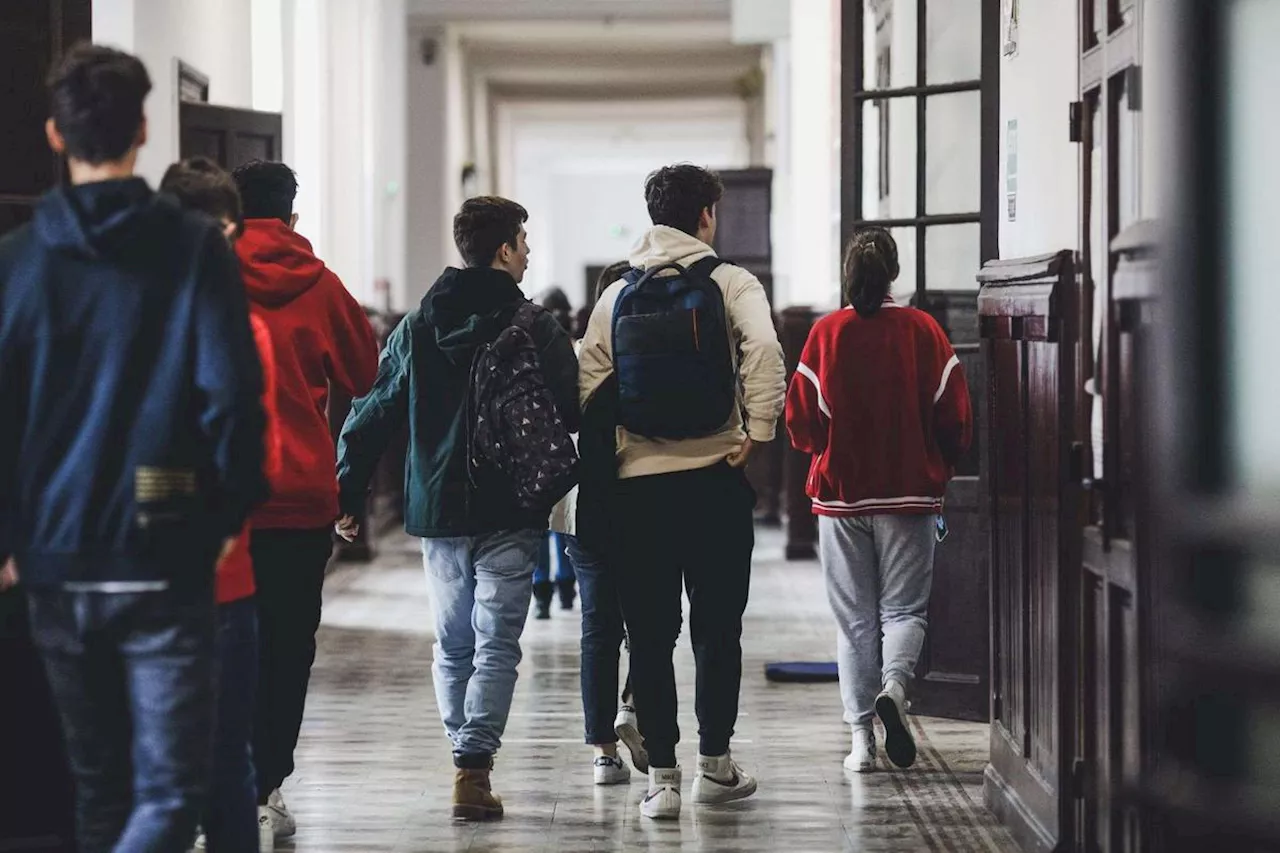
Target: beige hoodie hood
(758, 355)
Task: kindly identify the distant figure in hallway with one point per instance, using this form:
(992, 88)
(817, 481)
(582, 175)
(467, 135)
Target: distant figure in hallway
(320, 336)
(131, 453)
(554, 573)
(585, 518)
(700, 380)
(881, 402)
(479, 541)
(231, 820)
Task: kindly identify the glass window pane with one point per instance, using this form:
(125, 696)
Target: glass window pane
(889, 158)
(905, 287)
(1098, 272)
(1127, 160)
(953, 41)
(889, 45)
(953, 153)
(952, 254)
(1253, 252)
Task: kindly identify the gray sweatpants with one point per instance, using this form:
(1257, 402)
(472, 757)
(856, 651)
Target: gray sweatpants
(879, 569)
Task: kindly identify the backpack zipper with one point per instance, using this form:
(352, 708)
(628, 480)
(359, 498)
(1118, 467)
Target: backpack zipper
(697, 345)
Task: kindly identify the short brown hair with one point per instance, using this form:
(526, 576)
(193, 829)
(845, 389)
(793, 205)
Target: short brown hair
(201, 184)
(95, 99)
(677, 195)
(484, 225)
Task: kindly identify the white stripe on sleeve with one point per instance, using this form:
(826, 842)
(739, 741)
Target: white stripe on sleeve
(946, 374)
(805, 371)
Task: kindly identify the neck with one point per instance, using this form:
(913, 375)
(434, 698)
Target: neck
(92, 173)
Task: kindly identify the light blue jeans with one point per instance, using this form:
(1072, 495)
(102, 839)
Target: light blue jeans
(879, 571)
(480, 588)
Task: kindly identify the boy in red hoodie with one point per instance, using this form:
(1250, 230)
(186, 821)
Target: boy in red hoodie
(231, 820)
(320, 336)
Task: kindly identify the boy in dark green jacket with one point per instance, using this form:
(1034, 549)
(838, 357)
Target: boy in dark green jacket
(479, 547)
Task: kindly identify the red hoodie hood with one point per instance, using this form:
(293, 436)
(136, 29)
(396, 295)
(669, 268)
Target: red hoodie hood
(277, 263)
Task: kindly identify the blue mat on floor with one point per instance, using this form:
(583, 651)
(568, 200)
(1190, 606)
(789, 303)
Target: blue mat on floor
(801, 671)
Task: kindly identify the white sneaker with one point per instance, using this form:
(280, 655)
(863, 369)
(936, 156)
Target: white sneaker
(891, 708)
(721, 780)
(663, 800)
(863, 757)
(201, 844)
(611, 770)
(266, 832)
(282, 822)
(627, 727)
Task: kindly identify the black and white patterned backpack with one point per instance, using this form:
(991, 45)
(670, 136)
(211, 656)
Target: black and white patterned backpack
(517, 440)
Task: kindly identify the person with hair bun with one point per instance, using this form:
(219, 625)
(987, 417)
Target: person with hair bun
(880, 400)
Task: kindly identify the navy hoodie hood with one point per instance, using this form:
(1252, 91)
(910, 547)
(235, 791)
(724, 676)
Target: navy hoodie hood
(104, 219)
(470, 307)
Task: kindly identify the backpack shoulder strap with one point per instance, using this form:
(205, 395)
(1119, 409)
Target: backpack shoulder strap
(706, 266)
(526, 315)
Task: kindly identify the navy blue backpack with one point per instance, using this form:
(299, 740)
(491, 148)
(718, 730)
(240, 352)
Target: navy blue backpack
(672, 354)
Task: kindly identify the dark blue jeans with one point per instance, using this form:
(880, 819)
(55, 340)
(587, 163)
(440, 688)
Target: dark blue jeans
(602, 637)
(231, 818)
(552, 565)
(132, 676)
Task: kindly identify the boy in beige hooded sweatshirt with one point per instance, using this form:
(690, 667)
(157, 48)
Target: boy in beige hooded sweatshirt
(685, 507)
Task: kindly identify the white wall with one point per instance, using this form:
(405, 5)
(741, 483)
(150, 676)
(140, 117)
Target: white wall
(1036, 87)
(815, 133)
(580, 170)
(214, 38)
(425, 190)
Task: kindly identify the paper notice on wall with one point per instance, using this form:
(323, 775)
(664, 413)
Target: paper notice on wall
(1011, 170)
(1009, 26)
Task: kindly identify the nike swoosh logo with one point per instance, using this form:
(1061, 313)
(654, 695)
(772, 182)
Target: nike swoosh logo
(732, 783)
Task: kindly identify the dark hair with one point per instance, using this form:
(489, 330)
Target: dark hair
(870, 267)
(95, 99)
(484, 225)
(267, 190)
(608, 276)
(201, 184)
(677, 195)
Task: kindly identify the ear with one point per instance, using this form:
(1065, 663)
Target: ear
(707, 217)
(293, 222)
(142, 133)
(56, 142)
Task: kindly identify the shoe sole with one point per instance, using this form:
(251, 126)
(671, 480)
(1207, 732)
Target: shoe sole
(630, 737)
(666, 814)
(855, 767)
(617, 780)
(476, 814)
(899, 744)
(728, 796)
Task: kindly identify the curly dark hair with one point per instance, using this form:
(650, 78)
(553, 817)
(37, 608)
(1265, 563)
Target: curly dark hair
(201, 184)
(484, 225)
(677, 195)
(267, 189)
(870, 267)
(95, 100)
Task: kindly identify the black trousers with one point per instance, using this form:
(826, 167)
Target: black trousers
(694, 527)
(288, 566)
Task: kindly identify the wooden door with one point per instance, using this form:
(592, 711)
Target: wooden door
(230, 137)
(1029, 333)
(953, 675)
(35, 788)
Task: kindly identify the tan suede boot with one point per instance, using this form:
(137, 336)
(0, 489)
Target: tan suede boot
(472, 797)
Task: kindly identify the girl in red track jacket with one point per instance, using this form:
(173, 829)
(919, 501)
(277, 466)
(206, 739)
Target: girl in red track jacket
(880, 400)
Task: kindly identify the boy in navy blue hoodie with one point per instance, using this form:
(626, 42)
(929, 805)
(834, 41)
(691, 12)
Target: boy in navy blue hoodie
(130, 455)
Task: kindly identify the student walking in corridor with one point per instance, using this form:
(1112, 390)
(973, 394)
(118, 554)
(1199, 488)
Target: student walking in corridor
(479, 539)
(700, 379)
(881, 402)
(320, 337)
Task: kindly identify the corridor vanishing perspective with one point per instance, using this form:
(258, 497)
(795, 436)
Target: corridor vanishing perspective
(374, 767)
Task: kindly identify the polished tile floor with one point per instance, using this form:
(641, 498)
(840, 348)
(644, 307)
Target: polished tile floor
(374, 770)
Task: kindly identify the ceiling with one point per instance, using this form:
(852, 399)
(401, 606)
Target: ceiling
(569, 10)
